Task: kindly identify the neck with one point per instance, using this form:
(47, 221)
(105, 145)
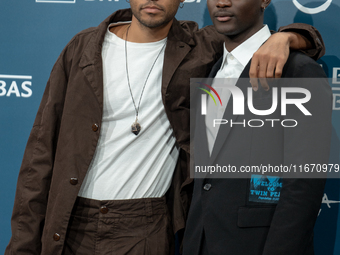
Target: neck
(139, 33)
(233, 41)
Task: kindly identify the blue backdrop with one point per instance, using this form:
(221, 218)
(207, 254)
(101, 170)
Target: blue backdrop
(33, 33)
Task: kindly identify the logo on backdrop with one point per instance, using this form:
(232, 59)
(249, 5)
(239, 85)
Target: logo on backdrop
(15, 85)
(336, 90)
(336, 99)
(314, 10)
(328, 202)
(74, 1)
(56, 1)
(336, 75)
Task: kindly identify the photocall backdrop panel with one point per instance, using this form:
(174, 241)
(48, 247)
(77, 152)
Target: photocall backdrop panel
(34, 32)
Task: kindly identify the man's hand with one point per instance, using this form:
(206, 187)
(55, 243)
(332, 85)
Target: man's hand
(269, 59)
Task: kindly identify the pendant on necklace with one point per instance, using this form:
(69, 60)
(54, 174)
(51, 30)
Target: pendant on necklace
(135, 127)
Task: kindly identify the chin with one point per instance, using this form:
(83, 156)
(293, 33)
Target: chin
(152, 23)
(226, 32)
(225, 29)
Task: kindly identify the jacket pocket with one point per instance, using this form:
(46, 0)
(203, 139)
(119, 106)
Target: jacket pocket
(255, 216)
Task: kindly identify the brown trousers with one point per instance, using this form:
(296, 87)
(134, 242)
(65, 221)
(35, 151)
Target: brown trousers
(119, 227)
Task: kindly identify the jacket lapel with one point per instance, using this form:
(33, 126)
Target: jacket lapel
(225, 130)
(215, 68)
(91, 60)
(178, 46)
(201, 152)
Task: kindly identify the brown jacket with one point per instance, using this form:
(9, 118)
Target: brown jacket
(67, 126)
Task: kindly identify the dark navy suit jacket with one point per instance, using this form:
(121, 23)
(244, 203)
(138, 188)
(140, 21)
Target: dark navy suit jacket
(223, 213)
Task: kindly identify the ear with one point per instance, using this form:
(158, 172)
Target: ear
(265, 3)
(181, 3)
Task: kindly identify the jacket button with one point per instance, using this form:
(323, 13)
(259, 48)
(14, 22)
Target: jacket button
(74, 181)
(56, 237)
(95, 127)
(104, 209)
(207, 186)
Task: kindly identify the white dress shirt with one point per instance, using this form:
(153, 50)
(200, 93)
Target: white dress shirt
(232, 66)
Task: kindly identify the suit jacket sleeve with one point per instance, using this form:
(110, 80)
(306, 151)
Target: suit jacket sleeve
(312, 34)
(308, 31)
(291, 230)
(36, 170)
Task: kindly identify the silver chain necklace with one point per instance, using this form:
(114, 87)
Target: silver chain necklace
(136, 127)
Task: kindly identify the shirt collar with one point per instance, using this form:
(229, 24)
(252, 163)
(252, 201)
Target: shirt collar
(244, 52)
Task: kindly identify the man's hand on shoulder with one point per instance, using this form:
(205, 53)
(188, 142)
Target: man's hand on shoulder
(268, 61)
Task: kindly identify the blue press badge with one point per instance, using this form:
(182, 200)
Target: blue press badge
(265, 189)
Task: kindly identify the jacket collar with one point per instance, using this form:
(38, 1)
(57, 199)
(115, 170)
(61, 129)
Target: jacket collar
(179, 44)
(94, 47)
(92, 52)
